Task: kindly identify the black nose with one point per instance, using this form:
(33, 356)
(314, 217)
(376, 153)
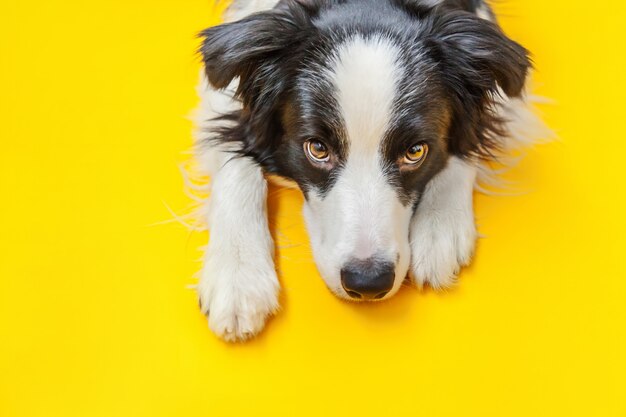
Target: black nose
(368, 280)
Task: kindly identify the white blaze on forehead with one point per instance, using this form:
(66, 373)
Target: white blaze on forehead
(361, 216)
(365, 75)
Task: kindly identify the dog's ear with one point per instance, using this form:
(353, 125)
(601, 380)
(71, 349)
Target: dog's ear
(478, 62)
(246, 49)
(477, 53)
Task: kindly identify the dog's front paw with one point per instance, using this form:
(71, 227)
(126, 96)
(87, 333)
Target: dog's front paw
(238, 296)
(440, 247)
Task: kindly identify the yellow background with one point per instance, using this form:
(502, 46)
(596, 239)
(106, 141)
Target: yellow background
(96, 318)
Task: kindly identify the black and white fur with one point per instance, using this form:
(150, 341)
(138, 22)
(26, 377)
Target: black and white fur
(368, 78)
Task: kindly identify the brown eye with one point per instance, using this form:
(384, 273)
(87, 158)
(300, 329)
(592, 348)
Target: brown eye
(317, 151)
(416, 153)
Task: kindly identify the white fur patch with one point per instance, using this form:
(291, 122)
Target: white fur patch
(483, 12)
(524, 129)
(443, 232)
(362, 216)
(238, 285)
(239, 9)
(365, 75)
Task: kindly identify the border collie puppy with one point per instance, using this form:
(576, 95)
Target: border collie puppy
(381, 111)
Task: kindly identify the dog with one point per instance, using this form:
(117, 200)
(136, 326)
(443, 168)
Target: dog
(383, 112)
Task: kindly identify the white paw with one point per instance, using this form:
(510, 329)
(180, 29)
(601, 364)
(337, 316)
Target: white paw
(440, 246)
(238, 296)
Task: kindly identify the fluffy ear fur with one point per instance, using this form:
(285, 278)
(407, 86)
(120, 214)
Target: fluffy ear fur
(481, 53)
(477, 60)
(245, 48)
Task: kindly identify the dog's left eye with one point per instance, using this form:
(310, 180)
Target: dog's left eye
(416, 154)
(317, 151)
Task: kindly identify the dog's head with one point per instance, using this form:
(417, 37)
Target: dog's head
(361, 102)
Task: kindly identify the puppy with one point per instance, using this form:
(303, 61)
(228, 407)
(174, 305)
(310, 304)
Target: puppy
(380, 111)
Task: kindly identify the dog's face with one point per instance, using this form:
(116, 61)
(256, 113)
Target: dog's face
(362, 147)
(361, 103)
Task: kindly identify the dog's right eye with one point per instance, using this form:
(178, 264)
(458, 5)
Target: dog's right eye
(416, 154)
(316, 151)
